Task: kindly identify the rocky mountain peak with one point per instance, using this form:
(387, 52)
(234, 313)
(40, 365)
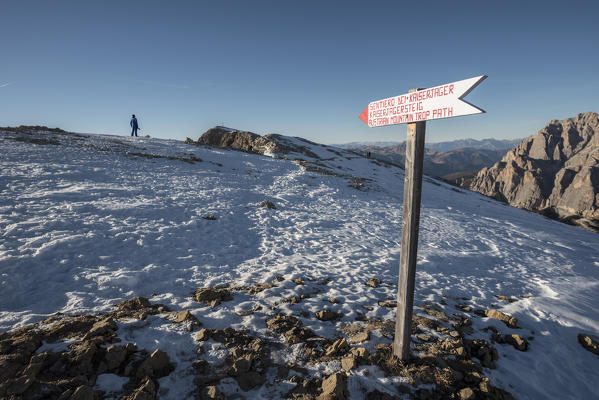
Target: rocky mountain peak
(555, 171)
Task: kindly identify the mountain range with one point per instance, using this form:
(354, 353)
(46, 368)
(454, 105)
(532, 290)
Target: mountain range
(448, 164)
(489, 144)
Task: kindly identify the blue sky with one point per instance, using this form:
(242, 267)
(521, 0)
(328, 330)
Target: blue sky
(303, 68)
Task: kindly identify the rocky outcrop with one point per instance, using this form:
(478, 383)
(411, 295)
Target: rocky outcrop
(271, 144)
(238, 140)
(555, 172)
(62, 357)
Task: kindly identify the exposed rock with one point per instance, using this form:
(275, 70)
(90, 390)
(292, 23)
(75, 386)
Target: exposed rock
(337, 347)
(146, 391)
(247, 141)
(334, 387)
(433, 312)
(505, 298)
(326, 315)
(241, 365)
(155, 366)
(70, 327)
(257, 288)
(211, 393)
(360, 353)
(203, 334)
(506, 319)
(267, 204)
(202, 367)
(482, 350)
(516, 341)
(291, 327)
(589, 342)
(116, 355)
(105, 327)
(137, 307)
(83, 392)
(70, 373)
(238, 140)
(333, 300)
(467, 394)
(305, 389)
(424, 337)
(135, 303)
(348, 363)
(211, 296)
(464, 307)
(360, 337)
(298, 281)
(249, 380)
(555, 172)
(186, 315)
(373, 282)
(388, 304)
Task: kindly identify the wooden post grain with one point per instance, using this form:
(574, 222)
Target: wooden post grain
(409, 238)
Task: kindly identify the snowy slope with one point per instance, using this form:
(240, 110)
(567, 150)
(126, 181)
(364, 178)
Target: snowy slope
(88, 220)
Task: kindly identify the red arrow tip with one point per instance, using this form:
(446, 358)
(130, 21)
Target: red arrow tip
(364, 115)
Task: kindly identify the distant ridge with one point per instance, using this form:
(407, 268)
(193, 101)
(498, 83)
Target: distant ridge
(489, 144)
(447, 160)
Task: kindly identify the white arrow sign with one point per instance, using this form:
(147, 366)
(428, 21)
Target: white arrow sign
(445, 101)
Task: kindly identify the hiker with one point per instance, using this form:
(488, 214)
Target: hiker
(134, 126)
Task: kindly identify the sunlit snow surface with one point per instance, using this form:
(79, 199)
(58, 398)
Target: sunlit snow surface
(87, 223)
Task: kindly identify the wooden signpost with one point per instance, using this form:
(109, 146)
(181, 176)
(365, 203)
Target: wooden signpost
(415, 108)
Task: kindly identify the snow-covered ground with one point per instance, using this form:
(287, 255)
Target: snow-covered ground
(97, 219)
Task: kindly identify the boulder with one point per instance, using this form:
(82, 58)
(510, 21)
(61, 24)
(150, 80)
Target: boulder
(589, 342)
(115, 356)
(83, 392)
(267, 204)
(146, 391)
(506, 319)
(348, 363)
(186, 315)
(211, 296)
(249, 380)
(326, 315)
(467, 394)
(105, 327)
(157, 365)
(211, 393)
(387, 304)
(203, 334)
(360, 337)
(518, 342)
(373, 282)
(334, 387)
(337, 347)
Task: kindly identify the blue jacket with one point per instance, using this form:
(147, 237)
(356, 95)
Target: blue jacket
(133, 123)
